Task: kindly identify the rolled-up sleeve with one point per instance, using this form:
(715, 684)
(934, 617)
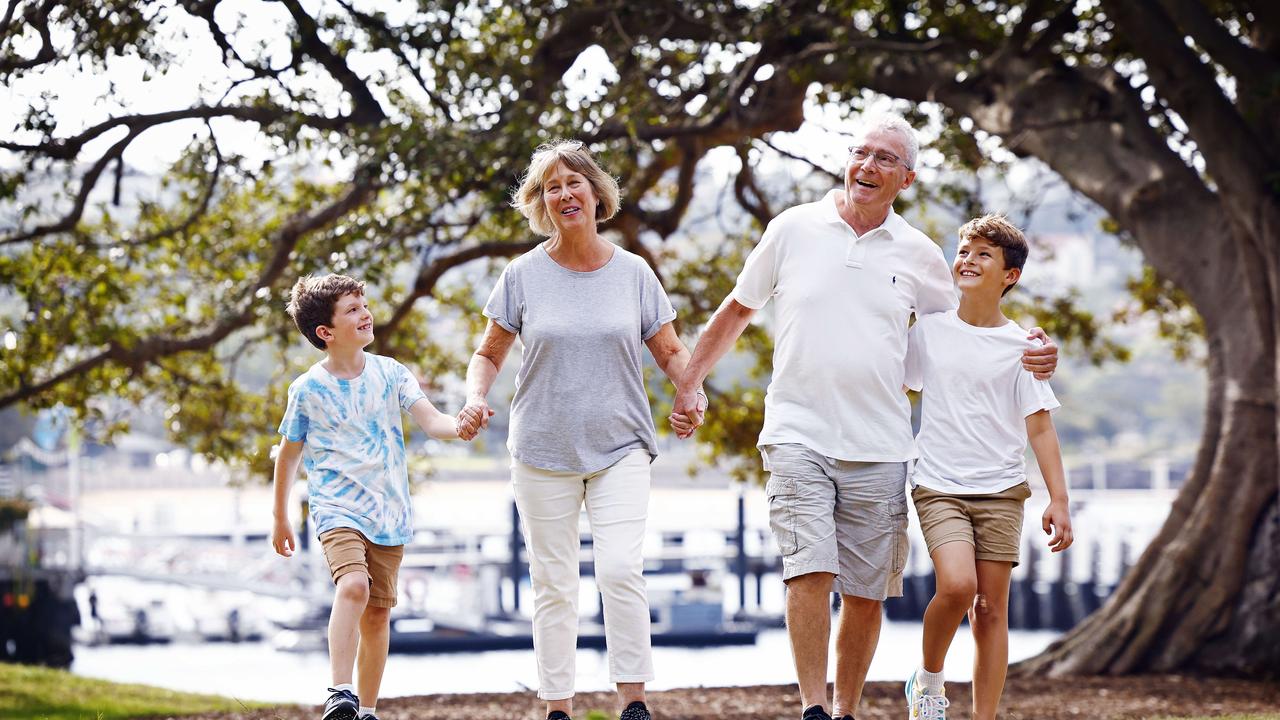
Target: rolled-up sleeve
(505, 303)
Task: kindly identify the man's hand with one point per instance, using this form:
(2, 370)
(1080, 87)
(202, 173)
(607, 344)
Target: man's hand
(473, 417)
(1041, 361)
(687, 412)
(283, 539)
(1057, 523)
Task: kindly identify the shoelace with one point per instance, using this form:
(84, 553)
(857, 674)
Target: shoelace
(933, 707)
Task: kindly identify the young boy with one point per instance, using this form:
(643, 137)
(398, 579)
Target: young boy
(343, 421)
(980, 407)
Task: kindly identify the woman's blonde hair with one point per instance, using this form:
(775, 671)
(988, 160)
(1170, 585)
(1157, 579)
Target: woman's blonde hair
(528, 196)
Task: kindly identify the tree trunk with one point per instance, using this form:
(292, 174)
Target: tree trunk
(1205, 595)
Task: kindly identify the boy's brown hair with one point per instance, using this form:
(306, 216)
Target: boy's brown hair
(997, 230)
(312, 299)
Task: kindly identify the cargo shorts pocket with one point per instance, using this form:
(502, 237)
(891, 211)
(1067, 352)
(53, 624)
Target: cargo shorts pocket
(781, 492)
(898, 526)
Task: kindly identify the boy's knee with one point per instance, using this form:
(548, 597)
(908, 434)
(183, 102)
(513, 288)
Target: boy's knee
(354, 587)
(985, 614)
(957, 591)
(375, 615)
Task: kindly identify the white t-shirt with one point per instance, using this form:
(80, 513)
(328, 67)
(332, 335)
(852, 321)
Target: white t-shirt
(842, 302)
(977, 396)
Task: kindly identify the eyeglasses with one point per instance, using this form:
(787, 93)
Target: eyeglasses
(884, 160)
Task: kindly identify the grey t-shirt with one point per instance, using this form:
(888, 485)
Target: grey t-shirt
(580, 402)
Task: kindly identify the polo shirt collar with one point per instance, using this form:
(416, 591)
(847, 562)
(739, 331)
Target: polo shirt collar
(891, 225)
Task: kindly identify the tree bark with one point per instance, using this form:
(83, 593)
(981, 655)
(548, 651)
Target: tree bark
(1205, 595)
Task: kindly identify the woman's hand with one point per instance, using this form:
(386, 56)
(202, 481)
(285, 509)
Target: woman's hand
(473, 417)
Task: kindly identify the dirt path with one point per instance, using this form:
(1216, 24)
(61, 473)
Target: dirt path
(1025, 699)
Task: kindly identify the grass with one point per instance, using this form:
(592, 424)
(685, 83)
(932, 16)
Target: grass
(36, 693)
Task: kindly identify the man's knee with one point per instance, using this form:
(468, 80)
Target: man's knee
(814, 583)
(859, 605)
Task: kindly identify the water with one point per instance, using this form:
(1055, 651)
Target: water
(256, 671)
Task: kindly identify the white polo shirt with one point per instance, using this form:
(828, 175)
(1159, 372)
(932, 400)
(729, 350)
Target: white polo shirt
(843, 302)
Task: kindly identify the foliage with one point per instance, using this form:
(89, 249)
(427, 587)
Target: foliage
(385, 144)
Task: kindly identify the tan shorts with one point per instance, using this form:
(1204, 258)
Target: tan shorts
(350, 551)
(992, 524)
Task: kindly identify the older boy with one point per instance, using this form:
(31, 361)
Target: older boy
(343, 421)
(980, 407)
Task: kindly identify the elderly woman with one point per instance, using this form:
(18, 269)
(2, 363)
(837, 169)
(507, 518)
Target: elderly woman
(581, 427)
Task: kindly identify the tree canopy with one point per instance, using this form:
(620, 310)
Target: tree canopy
(375, 137)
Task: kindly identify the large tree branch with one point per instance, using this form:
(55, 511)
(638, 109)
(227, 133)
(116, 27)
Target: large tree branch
(666, 221)
(388, 39)
(40, 20)
(1248, 66)
(205, 10)
(238, 316)
(68, 148)
(87, 183)
(748, 194)
(366, 109)
(1190, 86)
(430, 273)
(201, 207)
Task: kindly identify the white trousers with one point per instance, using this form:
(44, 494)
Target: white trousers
(617, 501)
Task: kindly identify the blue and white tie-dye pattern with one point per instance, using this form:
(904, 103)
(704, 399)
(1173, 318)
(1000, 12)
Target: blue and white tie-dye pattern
(353, 447)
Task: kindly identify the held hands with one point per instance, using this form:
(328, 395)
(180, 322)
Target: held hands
(687, 412)
(473, 418)
(1041, 361)
(283, 538)
(1057, 522)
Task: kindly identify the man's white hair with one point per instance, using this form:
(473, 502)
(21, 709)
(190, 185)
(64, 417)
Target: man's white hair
(894, 122)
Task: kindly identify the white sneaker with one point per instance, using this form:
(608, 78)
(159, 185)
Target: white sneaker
(921, 706)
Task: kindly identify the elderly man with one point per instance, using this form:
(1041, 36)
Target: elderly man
(847, 273)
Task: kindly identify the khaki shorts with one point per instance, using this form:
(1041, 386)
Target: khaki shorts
(992, 524)
(840, 517)
(349, 551)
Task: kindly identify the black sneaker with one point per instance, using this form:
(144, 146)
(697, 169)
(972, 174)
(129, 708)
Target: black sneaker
(341, 705)
(815, 712)
(635, 711)
(558, 715)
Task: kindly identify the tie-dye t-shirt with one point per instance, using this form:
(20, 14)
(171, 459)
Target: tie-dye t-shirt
(353, 447)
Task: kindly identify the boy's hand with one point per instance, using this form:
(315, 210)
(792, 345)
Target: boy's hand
(1057, 521)
(283, 539)
(1043, 360)
(472, 418)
